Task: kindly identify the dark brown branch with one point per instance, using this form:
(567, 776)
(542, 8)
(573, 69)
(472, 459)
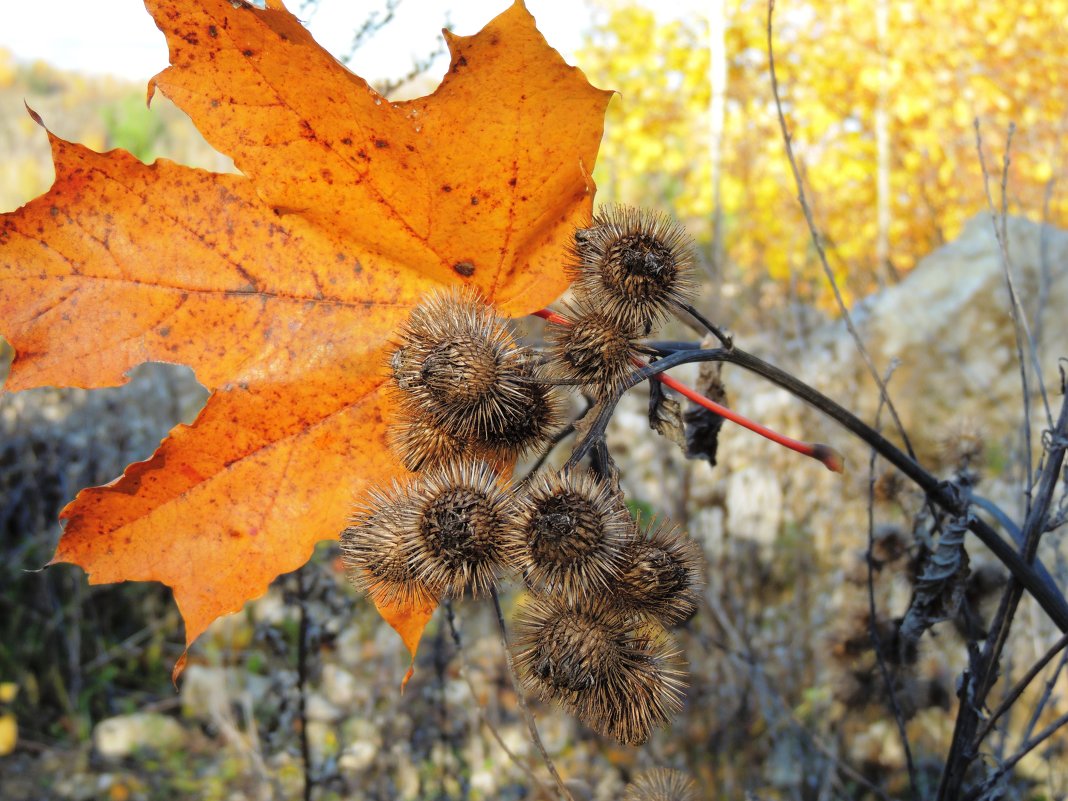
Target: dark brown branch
(978, 683)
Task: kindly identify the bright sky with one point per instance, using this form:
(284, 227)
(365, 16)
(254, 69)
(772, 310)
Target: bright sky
(118, 37)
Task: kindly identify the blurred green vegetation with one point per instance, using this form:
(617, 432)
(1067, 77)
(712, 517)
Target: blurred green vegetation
(99, 112)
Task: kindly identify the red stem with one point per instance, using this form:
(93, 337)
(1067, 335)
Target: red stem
(828, 456)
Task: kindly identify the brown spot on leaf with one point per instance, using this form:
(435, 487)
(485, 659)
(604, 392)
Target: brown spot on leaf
(446, 188)
(381, 143)
(213, 32)
(474, 200)
(246, 52)
(464, 268)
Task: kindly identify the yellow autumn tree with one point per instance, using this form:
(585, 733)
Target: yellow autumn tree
(880, 98)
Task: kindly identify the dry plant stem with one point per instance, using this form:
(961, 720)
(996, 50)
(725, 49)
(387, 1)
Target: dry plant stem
(482, 716)
(302, 684)
(818, 242)
(528, 716)
(724, 338)
(1047, 694)
(884, 670)
(1018, 689)
(828, 456)
(1021, 328)
(1047, 595)
(977, 685)
(1009, 764)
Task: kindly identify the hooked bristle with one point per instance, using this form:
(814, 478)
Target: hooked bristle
(421, 445)
(634, 265)
(529, 427)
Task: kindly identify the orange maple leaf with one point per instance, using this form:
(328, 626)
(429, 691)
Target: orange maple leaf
(281, 286)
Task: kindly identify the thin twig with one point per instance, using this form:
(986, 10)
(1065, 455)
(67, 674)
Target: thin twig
(742, 652)
(873, 633)
(1009, 764)
(482, 716)
(1021, 328)
(528, 716)
(557, 438)
(1018, 689)
(1047, 693)
(302, 685)
(725, 339)
(817, 241)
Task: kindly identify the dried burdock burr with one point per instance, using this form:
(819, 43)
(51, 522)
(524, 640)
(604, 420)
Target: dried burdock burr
(620, 676)
(661, 784)
(376, 550)
(634, 265)
(595, 350)
(458, 367)
(662, 575)
(457, 512)
(530, 424)
(422, 445)
(569, 534)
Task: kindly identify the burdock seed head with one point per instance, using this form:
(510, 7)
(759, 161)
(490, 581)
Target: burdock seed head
(661, 784)
(661, 576)
(596, 349)
(376, 549)
(564, 650)
(633, 264)
(621, 677)
(422, 445)
(644, 694)
(569, 534)
(457, 366)
(529, 424)
(458, 512)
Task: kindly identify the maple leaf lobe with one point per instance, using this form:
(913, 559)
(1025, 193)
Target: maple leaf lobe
(280, 286)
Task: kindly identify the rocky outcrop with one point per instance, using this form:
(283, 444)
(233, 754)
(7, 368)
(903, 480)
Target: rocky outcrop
(947, 332)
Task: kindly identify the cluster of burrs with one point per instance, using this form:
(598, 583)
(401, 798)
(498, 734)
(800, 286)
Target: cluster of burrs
(470, 399)
(631, 270)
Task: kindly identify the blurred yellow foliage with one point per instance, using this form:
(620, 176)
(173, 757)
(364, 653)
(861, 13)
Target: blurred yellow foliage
(9, 730)
(869, 88)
